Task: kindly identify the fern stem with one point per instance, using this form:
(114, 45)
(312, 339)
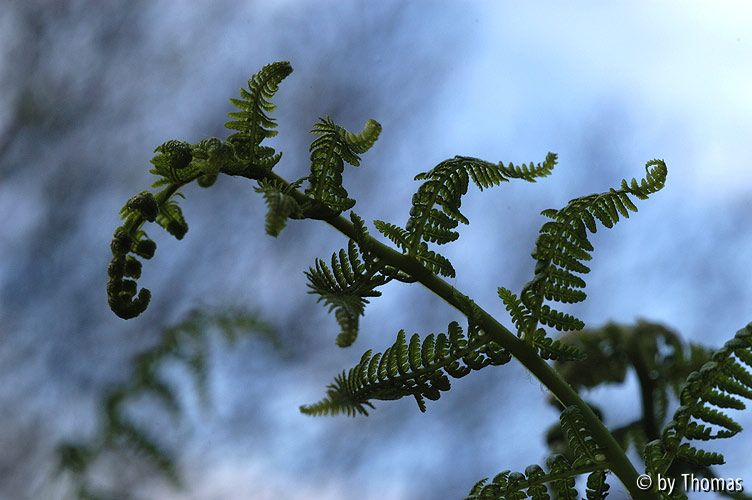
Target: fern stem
(522, 351)
(647, 388)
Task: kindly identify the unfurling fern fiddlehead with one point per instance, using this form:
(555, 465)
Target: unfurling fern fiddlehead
(178, 164)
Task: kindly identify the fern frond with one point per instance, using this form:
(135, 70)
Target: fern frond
(661, 362)
(589, 459)
(444, 187)
(421, 370)
(725, 379)
(530, 172)
(562, 248)
(435, 212)
(581, 443)
(178, 163)
(280, 204)
(362, 142)
(534, 482)
(252, 122)
(345, 288)
(184, 342)
(329, 152)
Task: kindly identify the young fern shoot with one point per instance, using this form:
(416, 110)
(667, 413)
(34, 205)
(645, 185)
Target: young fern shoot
(422, 367)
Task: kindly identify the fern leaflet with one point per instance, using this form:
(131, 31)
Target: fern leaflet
(562, 247)
(329, 152)
(561, 470)
(345, 288)
(435, 212)
(170, 217)
(413, 369)
(720, 384)
(280, 204)
(252, 122)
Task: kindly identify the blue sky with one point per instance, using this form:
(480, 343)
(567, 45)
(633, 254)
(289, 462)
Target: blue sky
(606, 86)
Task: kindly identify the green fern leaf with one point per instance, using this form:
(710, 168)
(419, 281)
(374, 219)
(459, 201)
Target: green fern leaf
(718, 382)
(436, 205)
(435, 262)
(334, 147)
(581, 442)
(597, 487)
(435, 212)
(281, 205)
(529, 172)
(252, 122)
(410, 369)
(560, 250)
(549, 348)
(399, 236)
(345, 288)
(700, 457)
(519, 314)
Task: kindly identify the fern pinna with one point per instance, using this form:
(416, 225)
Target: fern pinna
(345, 286)
(435, 211)
(659, 358)
(560, 250)
(719, 385)
(561, 470)
(421, 368)
(417, 369)
(334, 147)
